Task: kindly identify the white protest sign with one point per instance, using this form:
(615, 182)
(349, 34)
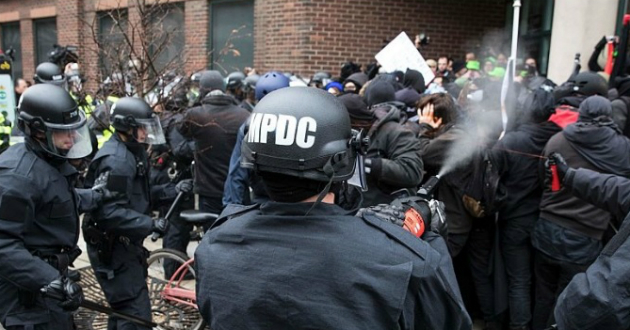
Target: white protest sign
(401, 54)
(7, 96)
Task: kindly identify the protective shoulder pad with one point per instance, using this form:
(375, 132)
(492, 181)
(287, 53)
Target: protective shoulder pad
(404, 238)
(232, 211)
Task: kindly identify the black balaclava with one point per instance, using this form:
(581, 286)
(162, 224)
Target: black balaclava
(288, 189)
(379, 91)
(415, 80)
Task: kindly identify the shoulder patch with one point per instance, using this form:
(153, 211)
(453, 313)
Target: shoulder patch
(13, 208)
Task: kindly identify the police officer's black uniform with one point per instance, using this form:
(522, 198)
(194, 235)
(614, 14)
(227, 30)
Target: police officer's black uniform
(114, 232)
(39, 212)
(290, 264)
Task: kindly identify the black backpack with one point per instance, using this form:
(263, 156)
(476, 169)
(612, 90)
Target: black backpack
(483, 192)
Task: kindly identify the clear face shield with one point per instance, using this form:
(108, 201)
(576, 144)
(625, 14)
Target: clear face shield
(149, 131)
(71, 143)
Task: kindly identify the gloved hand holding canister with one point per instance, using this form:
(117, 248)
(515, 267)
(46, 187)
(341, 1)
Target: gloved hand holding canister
(556, 169)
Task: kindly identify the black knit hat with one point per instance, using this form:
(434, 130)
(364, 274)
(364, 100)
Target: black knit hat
(356, 106)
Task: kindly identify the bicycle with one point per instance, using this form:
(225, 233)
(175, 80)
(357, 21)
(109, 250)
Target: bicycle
(173, 300)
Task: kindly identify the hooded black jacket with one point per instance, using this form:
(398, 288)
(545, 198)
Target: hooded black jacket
(395, 154)
(581, 144)
(213, 126)
(519, 171)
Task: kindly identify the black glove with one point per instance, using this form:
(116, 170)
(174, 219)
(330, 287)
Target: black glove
(105, 195)
(561, 167)
(438, 218)
(385, 212)
(67, 291)
(184, 186)
(160, 226)
(561, 164)
(373, 166)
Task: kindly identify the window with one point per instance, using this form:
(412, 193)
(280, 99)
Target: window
(113, 49)
(11, 39)
(534, 30)
(231, 37)
(45, 37)
(167, 36)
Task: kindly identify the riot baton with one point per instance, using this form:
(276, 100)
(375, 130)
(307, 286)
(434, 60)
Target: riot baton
(180, 195)
(91, 305)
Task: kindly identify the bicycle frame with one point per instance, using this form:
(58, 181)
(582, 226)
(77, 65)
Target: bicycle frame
(174, 292)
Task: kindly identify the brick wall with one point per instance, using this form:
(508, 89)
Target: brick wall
(306, 36)
(25, 12)
(301, 36)
(196, 19)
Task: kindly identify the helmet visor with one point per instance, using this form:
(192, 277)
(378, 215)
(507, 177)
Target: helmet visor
(69, 143)
(149, 131)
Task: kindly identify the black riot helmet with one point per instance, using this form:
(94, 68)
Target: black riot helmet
(234, 80)
(50, 73)
(133, 117)
(589, 83)
(50, 117)
(300, 132)
(249, 83)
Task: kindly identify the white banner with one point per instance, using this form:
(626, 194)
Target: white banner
(7, 96)
(401, 54)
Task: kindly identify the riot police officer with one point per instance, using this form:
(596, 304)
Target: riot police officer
(39, 211)
(302, 262)
(114, 232)
(50, 73)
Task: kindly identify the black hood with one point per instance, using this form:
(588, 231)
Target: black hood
(540, 132)
(596, 137)
(594, 107)
(379, 91)
(415, 80)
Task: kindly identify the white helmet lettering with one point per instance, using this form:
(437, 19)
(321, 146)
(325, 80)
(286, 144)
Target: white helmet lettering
(267, 126)
(288, 130)
(306, 124)
(285, 132)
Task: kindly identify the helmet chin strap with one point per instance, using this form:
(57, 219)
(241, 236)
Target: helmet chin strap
(328, 169)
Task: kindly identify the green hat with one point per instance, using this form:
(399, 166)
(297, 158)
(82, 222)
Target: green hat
(473, 65)
(498, 72)
(491, 59)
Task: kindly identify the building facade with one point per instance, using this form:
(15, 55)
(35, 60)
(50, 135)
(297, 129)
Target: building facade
(302, 36)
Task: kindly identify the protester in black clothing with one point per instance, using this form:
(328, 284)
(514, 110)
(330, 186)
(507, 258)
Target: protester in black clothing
(570, 95)
(567, 237)
(393, 159)
(354, 82)
(414, 86)
(515, 157)
(213, 126)
(302, 262)
(441, 129)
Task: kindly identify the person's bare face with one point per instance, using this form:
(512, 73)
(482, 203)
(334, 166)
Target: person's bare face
(350, 87)
(64, 140)
(470, 57)
(21, 86)
(442, 64)
(141, 135)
